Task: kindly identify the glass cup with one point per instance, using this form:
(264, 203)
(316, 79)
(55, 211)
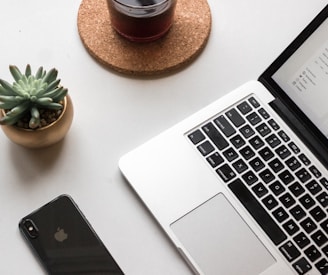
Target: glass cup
(141, 20)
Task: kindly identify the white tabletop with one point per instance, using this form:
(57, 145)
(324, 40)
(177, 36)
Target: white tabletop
(115, 113)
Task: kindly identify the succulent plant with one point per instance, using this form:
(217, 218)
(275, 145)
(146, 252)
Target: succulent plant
(30, 93)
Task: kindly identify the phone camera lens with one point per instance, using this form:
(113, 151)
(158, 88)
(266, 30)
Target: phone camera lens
(31, 229)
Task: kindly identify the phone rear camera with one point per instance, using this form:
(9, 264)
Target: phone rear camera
(30, 228)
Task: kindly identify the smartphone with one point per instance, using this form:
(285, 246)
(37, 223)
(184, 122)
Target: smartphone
(64, 240)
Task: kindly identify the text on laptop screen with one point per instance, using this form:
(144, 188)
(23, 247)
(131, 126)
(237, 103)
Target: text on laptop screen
(304, 77)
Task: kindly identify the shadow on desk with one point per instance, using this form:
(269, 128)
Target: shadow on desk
(31, 163)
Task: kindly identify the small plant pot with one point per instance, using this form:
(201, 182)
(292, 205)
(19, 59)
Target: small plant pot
(45, 136)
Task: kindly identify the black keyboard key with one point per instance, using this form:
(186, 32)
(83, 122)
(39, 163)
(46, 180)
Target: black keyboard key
(319, 238)
(260, 190)
(276, 165)
(196, 137)
(263, 129)
(315, 172)
(277, 188)
(293, 163)
(273, 140)
(247, 131)
(273, 124)
(253, 118)
(256, 142)
(324, 183)
(205, 148)
(293, 147)
(267, 176)
(322, 266)
(283, 152)
(325, 250)
(235, 117)
(263, 113)
(283, 136)
(307, 201)
(250, 178)
(312, 253)
(314, 187)
(287, 200)
(324, 226)
(296, 189)
(215, 159)
(240, 166)
(270, 202)
(230, 154)
(323, 199)
(244, 107)
(286, 177)
(257, 211)
(225, 126)
(304, 159)
(291, 227)
(301, 240)
(297, 212)
(225, 172)
(237, 141)
(280, 214)
(308, 225)
(266, 153)
(215, 136)
(290, 251)
(247, 152)
(318, 214)
(303, 175)
(254, 102)
(302, 266)
(256, 164)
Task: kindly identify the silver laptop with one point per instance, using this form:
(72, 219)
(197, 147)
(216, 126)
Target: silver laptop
(241, 187)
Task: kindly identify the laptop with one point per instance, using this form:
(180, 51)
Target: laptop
(241, 187)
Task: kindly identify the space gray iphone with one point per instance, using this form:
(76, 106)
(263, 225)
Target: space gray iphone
(64, 240)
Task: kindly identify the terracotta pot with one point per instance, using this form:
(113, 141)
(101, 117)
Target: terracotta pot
(44, 136)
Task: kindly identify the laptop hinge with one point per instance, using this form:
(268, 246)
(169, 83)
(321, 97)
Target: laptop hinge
(315, 145)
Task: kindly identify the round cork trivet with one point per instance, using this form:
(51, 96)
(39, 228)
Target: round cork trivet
(185, 40)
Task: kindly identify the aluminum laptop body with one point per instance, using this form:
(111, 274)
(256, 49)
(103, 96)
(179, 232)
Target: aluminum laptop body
(207, 202)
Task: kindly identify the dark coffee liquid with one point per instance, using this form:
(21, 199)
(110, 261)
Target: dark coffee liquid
(139, 3)
(140, 20)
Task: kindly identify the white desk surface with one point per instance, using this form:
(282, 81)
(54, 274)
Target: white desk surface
(115, 113)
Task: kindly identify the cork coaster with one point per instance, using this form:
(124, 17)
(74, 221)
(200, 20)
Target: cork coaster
(185, 40)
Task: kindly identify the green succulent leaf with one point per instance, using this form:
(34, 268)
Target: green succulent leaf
(35, 118)
(51, 88)
(15, 72)
(10, 89)
(50, 76)
(21, 108)
(57, 94)
(3, 91)
(9, 102)
(11, 120)
(44, 101)
(28, 70)
(34, 123)
(55, 106)
(35, 113)
(39, 73)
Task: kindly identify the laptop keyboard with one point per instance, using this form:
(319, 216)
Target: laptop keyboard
(274, 180)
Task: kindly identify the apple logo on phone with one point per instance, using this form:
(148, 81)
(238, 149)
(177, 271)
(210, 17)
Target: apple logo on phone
(60, 235)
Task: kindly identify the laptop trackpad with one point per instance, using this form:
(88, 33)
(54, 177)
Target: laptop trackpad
(219, 240)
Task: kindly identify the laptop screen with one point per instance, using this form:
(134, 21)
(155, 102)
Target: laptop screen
(299, 78)
(304, 77)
